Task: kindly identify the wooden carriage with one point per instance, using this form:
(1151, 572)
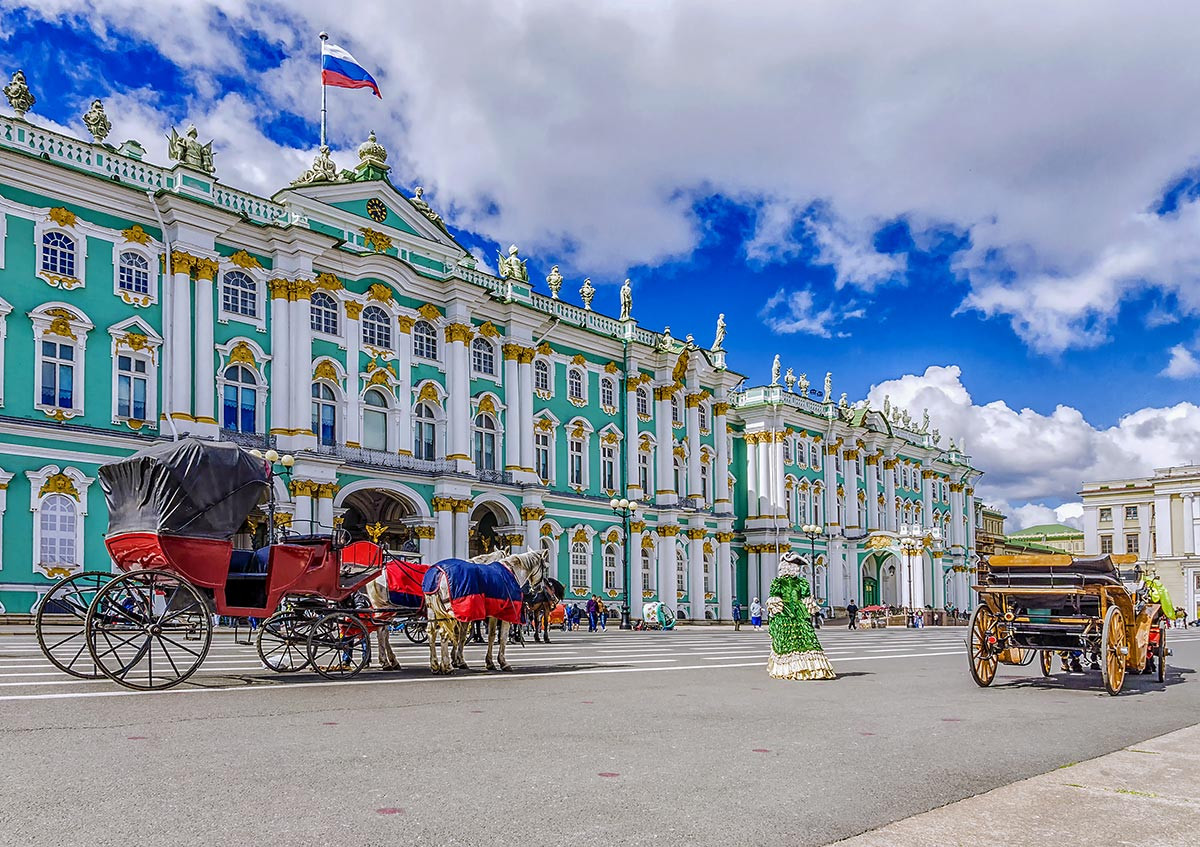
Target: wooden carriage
(1033, 605)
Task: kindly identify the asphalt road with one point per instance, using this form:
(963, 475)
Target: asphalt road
(614, 738)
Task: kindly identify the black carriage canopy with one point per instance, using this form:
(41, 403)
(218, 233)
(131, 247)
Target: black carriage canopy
(189, 487)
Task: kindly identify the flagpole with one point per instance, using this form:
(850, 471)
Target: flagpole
(324, 36)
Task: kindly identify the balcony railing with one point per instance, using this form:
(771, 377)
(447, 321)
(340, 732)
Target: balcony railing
(503, 477)
(384, 459)
(247, 439)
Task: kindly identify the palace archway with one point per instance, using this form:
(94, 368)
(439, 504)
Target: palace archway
(382, 515)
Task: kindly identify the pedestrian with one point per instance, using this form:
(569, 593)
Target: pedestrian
(737, 616)
(602, 614)
(817, 617)
(852, 611)
(591, 613)
(756, 611)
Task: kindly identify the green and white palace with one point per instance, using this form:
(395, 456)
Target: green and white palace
(435, 407)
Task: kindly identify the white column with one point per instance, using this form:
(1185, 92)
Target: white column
(458, 386)
(514, 425)
(181, 337)
(444, 509)
(777, 470)
(282, 382)
(1118, 530)
(926, 497)
(966, 522)
(723, 502)
(205, 367)
(766, 478)
(300, 369)
(303, 516)
(830, 469)
(751, 475)
(769, 564)
(872, 474)
(725, 579)
(324, 516)
(427, 543)
(632, 489)
(1144, 548)
(462, 542)
(665, 552)
(665, 494)
(696, 572)
(851, 476)
(1091, 530)
(525, 387)
(692, 409)
(1189, 522)
(403, 401)
(353, 366)
(890, 519)
(955, 541)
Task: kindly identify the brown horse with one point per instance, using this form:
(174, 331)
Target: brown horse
(539, 605)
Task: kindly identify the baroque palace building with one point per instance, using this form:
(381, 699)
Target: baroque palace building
(430, 405)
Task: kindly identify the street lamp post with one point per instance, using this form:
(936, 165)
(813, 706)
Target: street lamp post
(812, 530)
(286, 461)
(913, 539)
(625, 509)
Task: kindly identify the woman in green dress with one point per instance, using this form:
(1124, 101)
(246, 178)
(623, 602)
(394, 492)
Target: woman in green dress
(795, 651)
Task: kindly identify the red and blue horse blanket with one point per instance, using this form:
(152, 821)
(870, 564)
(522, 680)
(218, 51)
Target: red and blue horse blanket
(477, 591)
(404, 583)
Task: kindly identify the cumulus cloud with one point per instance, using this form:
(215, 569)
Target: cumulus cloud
(1033, 458)
(585, 132)
(1036, 514)
(1183, 364)
(796, 312)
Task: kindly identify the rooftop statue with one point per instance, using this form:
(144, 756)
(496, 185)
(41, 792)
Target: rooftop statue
(936, 436)
(586, 292)
(828, 387)
(843, 403)
(887, 405)
(20, 98)
(97, 122)
(666, 341)
(425, 209)
(720, 339)
(512, 266)
(323, 170)
(775, 370)
(924, 421)
(554, 280)
(790, 379)
(803, 384)
(626, 300)
(187, 149)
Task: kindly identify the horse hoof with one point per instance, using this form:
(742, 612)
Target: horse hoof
(506, 668)
(490, 666)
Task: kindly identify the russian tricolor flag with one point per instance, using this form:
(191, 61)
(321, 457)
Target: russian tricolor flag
(341, 70)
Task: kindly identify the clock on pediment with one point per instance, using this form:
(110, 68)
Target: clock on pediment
(377, 210)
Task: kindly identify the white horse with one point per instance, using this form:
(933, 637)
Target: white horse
(530, 567)
(377, 595)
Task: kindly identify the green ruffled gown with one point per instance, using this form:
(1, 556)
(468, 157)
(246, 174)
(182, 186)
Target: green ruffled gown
(795, 651)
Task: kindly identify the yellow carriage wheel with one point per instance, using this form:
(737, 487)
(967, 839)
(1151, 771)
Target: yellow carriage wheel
(981, 653)
(1114, 649)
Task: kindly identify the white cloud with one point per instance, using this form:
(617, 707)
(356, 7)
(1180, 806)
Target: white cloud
(584, 131)
(1183, 364)
(1036, 514)
(1031, 458)
(797, 315)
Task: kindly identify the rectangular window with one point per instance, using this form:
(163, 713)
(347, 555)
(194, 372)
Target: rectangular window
(58, 375)
(425, 440)
(1106, 513)
(815, 456)
(131, 388)
(575, 462)
(1131, 543)
(608, 467)
(1131, 513)
(644, 472)
(802, 454)
(541, 449)
(704, 481)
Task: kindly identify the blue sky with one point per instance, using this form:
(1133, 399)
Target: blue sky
(852, 206)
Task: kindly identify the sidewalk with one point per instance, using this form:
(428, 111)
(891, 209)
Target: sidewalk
(1147, 794)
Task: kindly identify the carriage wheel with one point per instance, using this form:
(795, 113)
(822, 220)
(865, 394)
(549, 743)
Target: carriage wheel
(339, 646)
(1162, 652)
(148, 630)
(65, 644)
(980, 654)
(417, 630)
(283, 642)
(1115, 648)
(1047, 660)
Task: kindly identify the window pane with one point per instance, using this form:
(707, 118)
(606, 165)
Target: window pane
(66, 379)
(374, 430)
(123, 398)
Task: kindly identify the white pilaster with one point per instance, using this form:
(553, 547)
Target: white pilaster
(514, 425)
(1189, 524)
(872, 474)
(282, 380)
(206, 363)
(180, 340)
(725, 582)
(525, 397)
(722, 500)
(692, 410)
(851, 484)
(696, 571)
(890, 520)
(665, 495)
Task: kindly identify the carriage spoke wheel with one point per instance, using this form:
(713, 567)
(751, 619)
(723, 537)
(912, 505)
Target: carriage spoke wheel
(417, 630)
(148, 630)
(1115, 648)
(980, 651)
(282, 642)
(60, 622)
(1162, 652)
(339, 646)
(1047, 660)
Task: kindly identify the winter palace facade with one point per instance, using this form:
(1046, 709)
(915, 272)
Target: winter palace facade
(437, 408)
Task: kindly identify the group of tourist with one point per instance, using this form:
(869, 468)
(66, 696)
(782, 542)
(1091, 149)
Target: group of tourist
(594, 611)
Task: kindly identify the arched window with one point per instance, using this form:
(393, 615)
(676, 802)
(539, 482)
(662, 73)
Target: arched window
(323, 313)
(579, 566)
(704, 493)
(375, 420)
(802, 453)
(611, 581)
(541, 375)
(708, 573)
(815, 457)
(483, 357)
(679, 475)
(680, 571)
(802, 517)
(58, 253)
(789, 497)
(644, 472)
(676, 414)
(643, 402)
(704, 417)
(485, 442)
(607, 393)
(324, 414)
(133, 273)
(240, 401)
(787, 451)
(57, 524)
(425, 432)
(239, 294)
(425, 342)
(647, 570)
(575, 384)
(376, 328)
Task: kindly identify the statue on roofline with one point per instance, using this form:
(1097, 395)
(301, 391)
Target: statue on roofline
(775, 370)
(720, 339)
(425, 209)
(586, 292)
(626, 300)
(790, 379)
(554, 280)
(323, 170)
(512, 266)
(97, 122)
(803, 384)
(20, 98)
(828, 387)
(187, 149)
